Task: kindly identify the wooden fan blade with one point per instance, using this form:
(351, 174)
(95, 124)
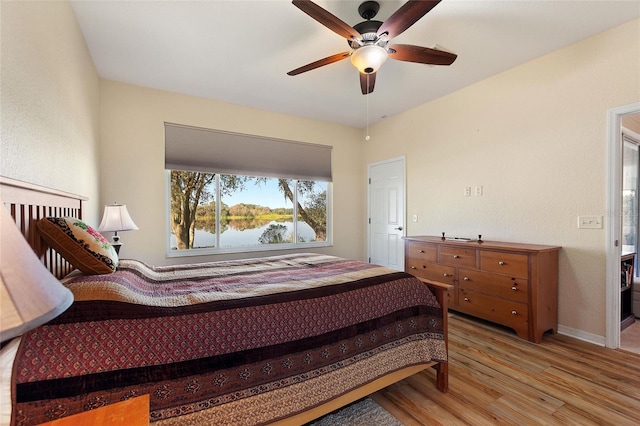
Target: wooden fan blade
(327, 19)
(367, 82)
(421, 55)
(320, 63)
(406, 16)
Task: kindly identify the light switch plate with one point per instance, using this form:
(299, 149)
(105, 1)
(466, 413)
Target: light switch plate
(590, 222)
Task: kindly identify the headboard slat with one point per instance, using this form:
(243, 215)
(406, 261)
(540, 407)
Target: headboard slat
(29, 203)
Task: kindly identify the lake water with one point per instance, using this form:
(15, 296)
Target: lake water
(234, 236)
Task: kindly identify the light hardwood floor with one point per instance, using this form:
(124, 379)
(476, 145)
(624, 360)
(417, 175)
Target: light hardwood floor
(496, 378)
(630, 338)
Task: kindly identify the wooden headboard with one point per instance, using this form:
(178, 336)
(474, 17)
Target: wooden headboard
(29, 203)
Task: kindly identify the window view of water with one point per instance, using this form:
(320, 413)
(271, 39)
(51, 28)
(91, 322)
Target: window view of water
(238, 235)
(245, 211)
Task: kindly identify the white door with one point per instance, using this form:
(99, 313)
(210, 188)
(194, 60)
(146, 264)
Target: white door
(386, 213)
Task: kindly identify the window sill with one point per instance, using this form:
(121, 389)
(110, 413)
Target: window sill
(245, 249)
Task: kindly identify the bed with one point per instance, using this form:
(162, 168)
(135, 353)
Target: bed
(280, 339)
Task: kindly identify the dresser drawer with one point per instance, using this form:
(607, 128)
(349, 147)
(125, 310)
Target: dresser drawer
(457, 256)
(513, 264)
(421, 251)
(431, 271)
(506, 312)
(502, 286)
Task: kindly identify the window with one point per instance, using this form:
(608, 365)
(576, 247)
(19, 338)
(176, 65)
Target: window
(253, 213)
(234, 192)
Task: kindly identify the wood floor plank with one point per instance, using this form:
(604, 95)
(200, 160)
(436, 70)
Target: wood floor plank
(568, 416)
(583, 393)
(516, 384)
(498, 379)
(509, 408)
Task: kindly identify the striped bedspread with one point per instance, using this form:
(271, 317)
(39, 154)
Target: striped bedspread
(233, 342)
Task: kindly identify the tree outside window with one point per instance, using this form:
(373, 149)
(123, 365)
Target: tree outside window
(252, 211)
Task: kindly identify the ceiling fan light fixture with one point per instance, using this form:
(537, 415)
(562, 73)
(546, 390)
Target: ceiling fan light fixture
(368, 59)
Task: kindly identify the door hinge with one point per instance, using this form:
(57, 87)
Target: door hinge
(369, 181)
(369, 221)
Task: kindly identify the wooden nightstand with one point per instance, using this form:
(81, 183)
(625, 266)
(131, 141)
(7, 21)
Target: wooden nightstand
(132, 412)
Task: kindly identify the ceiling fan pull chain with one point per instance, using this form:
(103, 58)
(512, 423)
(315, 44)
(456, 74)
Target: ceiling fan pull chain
(367, 137)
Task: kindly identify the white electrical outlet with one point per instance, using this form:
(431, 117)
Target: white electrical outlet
(415, 218)
(467, 191)
(590, 222)
(479, 190)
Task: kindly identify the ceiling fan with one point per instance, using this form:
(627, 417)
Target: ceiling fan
(369, 39)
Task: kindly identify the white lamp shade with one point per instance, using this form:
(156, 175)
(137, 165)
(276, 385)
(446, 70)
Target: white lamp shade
(116, 218)
(29, 294)
(368, 59)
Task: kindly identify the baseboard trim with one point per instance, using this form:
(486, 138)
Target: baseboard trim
(582, 335)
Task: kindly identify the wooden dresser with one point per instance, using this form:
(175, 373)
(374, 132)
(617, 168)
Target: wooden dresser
(512, 284)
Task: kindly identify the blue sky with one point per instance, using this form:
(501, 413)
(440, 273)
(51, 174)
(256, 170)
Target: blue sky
(264, 195)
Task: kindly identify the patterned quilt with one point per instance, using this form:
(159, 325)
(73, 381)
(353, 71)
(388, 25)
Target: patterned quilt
(233, 342)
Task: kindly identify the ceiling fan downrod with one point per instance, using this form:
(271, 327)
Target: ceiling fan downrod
(368, 29)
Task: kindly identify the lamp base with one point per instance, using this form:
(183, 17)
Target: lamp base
(116, 247)
(116, 243)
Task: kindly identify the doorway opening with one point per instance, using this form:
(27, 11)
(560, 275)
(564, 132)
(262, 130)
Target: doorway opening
(614, 237)
(630, 285)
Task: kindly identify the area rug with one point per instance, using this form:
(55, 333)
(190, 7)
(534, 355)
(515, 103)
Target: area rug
(364, 412)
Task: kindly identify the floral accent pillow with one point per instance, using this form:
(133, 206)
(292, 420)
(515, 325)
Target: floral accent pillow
(84, 247)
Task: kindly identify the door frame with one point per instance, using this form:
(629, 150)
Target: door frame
(614, 223)
(403, 159)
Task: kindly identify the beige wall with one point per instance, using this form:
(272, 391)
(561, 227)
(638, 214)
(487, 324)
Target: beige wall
(535, 138)
(132, 135)
(49, 100)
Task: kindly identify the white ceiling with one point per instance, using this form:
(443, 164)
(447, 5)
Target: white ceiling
(240, 51)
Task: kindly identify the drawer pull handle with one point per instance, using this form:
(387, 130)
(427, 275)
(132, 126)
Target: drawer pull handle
(413, 267)
(445, 274)
(501, 263)
(455, 256)
(514, 313)
(514, 288)
(466, 278)
(421, 251)
(466, 299)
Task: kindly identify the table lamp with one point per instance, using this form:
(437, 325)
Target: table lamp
(29, 294)
(115, 219)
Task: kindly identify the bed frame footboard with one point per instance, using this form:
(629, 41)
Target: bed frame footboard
(441, 291)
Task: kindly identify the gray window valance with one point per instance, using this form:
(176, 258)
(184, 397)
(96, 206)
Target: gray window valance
(198, 149)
